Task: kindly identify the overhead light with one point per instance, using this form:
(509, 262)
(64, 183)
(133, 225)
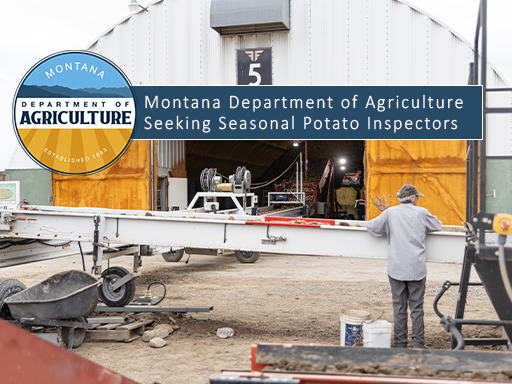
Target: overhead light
(295, 143)
(134, 7)
(342, 168)
(343, 161)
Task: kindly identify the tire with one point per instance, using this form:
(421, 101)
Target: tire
(247, 256)
(78, 335)
(8, 287)
(174, 255)
(121, 296)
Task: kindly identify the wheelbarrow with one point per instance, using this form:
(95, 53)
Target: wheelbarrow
(63, 300)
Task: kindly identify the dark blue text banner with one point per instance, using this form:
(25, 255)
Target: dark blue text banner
(308, 112)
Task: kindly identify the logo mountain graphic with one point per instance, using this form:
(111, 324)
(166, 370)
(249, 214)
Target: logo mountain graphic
(34, 91)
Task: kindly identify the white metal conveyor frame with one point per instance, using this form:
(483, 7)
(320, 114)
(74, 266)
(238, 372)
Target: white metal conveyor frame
(318, 237)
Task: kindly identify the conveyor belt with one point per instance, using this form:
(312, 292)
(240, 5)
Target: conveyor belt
(310, 237)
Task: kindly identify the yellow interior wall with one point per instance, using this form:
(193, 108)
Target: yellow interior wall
(437, 168)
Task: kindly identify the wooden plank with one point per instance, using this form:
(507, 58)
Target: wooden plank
(108, 335)
(108, 327)
(117, 332)
(109, 320)
(135, 325)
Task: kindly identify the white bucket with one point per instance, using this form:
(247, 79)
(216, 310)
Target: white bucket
(350, 329)
(377, 334)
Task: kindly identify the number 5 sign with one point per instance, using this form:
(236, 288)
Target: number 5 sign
(254, 66)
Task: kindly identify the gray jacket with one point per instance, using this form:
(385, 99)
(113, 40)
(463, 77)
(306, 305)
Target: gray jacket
(406, 227)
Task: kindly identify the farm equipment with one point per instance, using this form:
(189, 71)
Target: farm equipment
(27, 358)
(492, 260)
(271, 363)
(352, 178)
(286, 193)
(327, 191)
(113, 233)
(236, 188)
(232, 196)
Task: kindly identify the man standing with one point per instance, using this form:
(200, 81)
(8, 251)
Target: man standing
(406, 226)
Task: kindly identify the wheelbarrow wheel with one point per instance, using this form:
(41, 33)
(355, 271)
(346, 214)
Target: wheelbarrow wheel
(8, 287)
(78, 334)
(121, 296)
(247, 256)
(174, 255)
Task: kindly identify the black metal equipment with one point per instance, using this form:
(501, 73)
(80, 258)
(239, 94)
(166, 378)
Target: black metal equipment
(484, 256)
(477, 252)
(478, 164)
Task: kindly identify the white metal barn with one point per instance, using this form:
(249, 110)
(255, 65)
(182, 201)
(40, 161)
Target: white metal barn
(334, 42)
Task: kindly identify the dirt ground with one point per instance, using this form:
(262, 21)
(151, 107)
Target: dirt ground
(279, 299)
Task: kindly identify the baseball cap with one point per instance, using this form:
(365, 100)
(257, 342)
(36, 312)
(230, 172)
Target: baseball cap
(408, 190)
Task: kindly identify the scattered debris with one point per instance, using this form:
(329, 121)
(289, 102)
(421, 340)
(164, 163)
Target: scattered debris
(161, 332)
(224, 333)
(167, 327)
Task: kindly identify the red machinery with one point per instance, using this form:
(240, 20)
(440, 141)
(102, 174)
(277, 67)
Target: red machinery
(352, 178)
(263, 356)
(327, 192)
(26, 358)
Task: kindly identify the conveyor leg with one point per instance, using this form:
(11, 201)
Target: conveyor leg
(97, 250)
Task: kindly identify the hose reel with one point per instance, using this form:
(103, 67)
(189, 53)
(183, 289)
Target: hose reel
(211, 182)
(242, 180)
(209, 179)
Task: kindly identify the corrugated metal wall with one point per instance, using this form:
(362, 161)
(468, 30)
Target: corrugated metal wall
(171, 157)
(339, 42)
(125, 185)
(436, 168)
(333, 42)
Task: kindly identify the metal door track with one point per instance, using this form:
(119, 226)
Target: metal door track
(149, 308)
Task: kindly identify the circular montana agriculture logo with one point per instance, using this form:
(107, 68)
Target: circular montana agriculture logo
(74, 113)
